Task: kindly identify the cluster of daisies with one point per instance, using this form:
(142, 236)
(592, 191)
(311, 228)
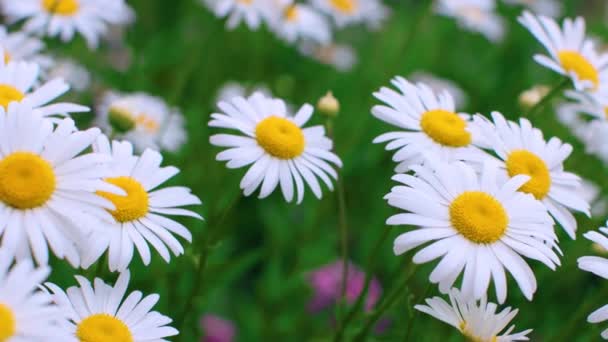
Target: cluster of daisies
(484, 195)
(482, 16)
(310, 24)
(79, 195)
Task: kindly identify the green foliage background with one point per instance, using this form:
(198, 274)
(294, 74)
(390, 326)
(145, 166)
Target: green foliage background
(256, 269)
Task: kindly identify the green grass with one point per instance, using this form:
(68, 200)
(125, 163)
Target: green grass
(256, 272)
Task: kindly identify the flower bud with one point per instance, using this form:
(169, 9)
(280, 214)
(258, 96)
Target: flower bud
(533, 96)
(120, 120)
(328, 105)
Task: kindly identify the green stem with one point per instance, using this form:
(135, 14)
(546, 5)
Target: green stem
(557, 89)
(583, 310)
(343, 223)
(368, 277)
(393, 298)
(410, 326)
(201, 262)
(423, 14)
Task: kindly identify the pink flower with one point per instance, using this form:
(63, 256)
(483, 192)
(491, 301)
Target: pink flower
(327, 284)
(217, 329)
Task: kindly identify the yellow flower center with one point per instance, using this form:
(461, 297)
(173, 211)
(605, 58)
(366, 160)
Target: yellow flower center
(522, 162)
(103, 328)
(280, 137)
(9, 94)
(345, 6)
(8, 326)
(291, 13)
(26, 180)
(470, 336)
(445, 128)
(61, 7)
(573, 61)
(131, 207)
(478, 217)
(149, 125)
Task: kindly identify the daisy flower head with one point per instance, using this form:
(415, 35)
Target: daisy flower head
(571, 53)
(297, 20)
(100, 312)
(140, 216)
(596, 139)
(347, 12)
(549, 8)
(19, 46)
(63, 18)
(48, 185)
(523, 150)
(472, 222)
(438, 85)
(478, 321)
(585, 103)
(276, 145)
(146, 121)
(252, 12)
(474, 15)
(429, 124)
(598, 266)
(20, 81)
(77, 76)
(340, 56)
(26, 313)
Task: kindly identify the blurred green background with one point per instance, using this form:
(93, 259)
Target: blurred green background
(256, 270)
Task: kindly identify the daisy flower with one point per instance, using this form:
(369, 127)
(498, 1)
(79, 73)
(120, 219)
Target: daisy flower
(342, 57)
(63, 18)
(19, 46)
(99, 313)
(26, 313)
(596, 142)
(77, 76)
(277, 146)
(297, 20)
(139, 217)
(476, 223)
(550, 8)
(253, 12)
(439, 85)
(569, 114)
(345, 12)
(47, 185)
(571, 53)
(429, 124)
(477, 320)
(19, 82)
(596, 106)
(523, 151)
(146, 121)
(474, 15)
(598, 266)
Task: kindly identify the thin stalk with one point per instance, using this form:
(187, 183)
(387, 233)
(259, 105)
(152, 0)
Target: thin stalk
(199, 273)
(368, 277)
(410, 326)
(393, 298)
(557, 89)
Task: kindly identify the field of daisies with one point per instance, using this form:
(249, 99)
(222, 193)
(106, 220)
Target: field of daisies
(303, 170)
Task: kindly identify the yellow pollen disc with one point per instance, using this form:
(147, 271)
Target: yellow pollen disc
(103, 328)
(522, 162)
(445, 128)
(9, 94)
(291, 13)
(573, 61)
(131, 207)
(479, 217)
(280, 137)
(8, 326)
(61, 7)
(26, 180)
(345, 6)
(149, 124)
